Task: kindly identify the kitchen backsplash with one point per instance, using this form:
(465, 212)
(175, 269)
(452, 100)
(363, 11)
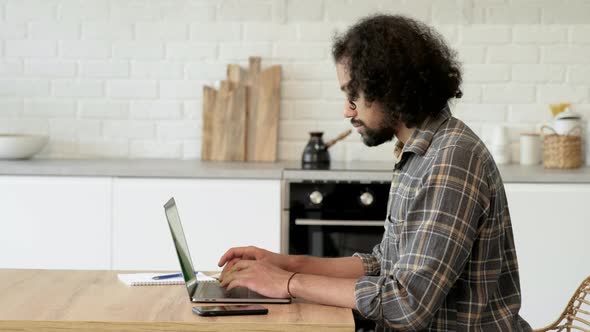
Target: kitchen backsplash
(124, 78)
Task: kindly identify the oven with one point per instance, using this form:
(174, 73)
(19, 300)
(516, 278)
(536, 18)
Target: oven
(333, 218)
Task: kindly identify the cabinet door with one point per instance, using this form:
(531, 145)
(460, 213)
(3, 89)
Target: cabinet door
(55, 222)
(215, 215)
(552, 232)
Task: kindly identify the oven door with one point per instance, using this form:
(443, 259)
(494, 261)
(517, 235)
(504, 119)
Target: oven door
(333, 238)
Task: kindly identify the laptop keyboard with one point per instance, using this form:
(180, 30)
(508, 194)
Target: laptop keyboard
(240, 292)
(214, 290)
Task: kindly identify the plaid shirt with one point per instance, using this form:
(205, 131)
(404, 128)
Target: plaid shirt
(447, 260)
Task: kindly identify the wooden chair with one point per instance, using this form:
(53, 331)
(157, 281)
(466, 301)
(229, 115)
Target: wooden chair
(576, 315)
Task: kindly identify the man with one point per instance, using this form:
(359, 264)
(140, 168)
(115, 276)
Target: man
(447, 261)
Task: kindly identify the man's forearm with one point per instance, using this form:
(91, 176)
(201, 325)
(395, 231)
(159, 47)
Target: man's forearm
(342, 267)
(324, 290)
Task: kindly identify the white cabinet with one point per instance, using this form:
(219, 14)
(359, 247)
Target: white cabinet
(551, 225)
(55, 222)
(119, 223)
(216, 215)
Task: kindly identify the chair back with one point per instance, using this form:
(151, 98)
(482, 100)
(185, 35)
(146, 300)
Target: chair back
(576, 316)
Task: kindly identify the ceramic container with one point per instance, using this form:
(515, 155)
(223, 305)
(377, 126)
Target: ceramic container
(21, 146)
(530, 149)
(568, 123)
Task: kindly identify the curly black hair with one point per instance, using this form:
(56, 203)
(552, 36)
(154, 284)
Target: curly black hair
(400, 62)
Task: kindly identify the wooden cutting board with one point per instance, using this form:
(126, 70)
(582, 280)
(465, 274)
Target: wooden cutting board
(262, 143)
(238, 77)
(209, 97)
(240, 121)
(229, 123)
(253, 94)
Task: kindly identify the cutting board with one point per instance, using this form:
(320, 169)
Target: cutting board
(264, 124)
(228, 137)
(209, 97)
(240, 120)
(253, 94)
(263, 107)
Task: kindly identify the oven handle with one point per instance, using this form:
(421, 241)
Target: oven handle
(319, 222)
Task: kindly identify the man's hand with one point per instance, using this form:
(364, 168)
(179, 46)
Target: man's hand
(234, 255)
(259, 276)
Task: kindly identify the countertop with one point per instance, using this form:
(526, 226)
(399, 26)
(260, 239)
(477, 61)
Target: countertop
(79, 300)
(291, 171)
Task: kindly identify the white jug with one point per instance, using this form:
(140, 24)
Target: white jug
(568, 123)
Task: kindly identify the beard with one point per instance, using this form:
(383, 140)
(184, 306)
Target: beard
(376, 136)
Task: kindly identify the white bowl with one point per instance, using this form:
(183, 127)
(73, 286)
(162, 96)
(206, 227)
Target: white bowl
(21, 146)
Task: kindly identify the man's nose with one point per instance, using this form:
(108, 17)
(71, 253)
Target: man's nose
(348, 111)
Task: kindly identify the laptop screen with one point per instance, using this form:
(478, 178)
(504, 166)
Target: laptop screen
(186, 264)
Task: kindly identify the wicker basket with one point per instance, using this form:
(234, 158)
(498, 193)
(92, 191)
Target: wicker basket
(561, 151)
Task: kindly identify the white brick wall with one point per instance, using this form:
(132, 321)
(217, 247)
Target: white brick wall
(304, 10)
(74, 128)
(123, 78)
(216, 31)
(161, 31)
(11, 67)
(29, 48)
(156, 70)
(85, 49)
(50, 68)
(49, 108)
(190, 51)
(30, 9)
(13, 30)
(54, 30)
(10, 108)
(300, 51)
(106, 30)
(127, 129)
(155, 149)
(76, 10)
(487, 34)
(245, 10)
(77, 88)
(104, 69)
(156, 110)
(24, 88)
(142, 50)
(102, 109)
(132, 89)
(178, 129)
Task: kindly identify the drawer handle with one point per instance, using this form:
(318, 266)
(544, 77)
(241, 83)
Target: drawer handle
(319, 222)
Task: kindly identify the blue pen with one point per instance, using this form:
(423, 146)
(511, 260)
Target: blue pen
(168, 276)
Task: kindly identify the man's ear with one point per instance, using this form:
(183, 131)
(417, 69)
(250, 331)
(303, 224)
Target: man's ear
(368, 104)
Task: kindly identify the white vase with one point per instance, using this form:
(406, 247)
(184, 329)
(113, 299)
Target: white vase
(501, 153)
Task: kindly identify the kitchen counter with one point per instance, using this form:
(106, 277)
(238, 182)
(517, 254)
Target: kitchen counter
(289, 170)
(368, 171)
(160, 168)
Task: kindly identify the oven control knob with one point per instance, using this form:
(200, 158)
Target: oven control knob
(316, 197)
(367, 198)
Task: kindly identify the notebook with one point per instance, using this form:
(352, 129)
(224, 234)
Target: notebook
(146, 279)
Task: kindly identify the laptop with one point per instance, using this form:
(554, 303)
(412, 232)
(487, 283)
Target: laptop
(206, 291)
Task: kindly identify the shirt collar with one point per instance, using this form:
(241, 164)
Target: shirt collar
(421, 138)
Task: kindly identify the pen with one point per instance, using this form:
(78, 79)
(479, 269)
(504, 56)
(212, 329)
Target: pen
(174, 275)
(168, 276)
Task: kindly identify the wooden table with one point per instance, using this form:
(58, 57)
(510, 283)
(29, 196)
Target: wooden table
(51, 300)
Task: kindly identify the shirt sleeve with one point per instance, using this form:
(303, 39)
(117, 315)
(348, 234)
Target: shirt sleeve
(443, 218)
(371, 262)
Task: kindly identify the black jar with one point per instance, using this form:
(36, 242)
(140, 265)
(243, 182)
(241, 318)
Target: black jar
(315, 154)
